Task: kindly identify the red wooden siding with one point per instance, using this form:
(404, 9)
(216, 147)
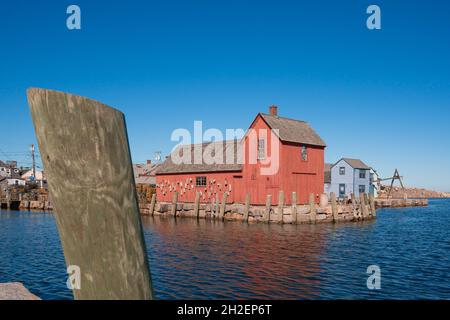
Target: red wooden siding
(294, 175)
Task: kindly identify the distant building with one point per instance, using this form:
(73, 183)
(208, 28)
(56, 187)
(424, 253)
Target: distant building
(28, 176)
(145, 174)
(349, 176)
(9, 169)
(6, 183)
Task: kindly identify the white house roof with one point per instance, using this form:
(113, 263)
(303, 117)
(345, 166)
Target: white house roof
(354, 163)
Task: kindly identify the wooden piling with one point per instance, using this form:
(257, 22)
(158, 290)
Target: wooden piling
(174, 204)
(223, 206)
(334, 208)
(8, 199)
(294, 207)
(268, 207)
(363, 206)
(353, 199)
(85, 151)
(153, 204)
(312, 208)
(247, 207)
(197, 205)
(281, 206)
(373, 208)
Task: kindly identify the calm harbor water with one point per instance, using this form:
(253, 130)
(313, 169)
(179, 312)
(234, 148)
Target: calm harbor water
(214, 260)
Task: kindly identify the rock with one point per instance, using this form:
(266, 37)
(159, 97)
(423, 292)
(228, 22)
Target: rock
(15, 291)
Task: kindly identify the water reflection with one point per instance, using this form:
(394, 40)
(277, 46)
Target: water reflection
(193, 259)
(236, 260)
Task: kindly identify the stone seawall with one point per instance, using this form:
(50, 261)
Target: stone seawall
(301, 214)
(400, 203)
(36, 205)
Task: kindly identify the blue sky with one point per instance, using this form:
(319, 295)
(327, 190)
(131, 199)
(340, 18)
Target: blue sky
(382, 96)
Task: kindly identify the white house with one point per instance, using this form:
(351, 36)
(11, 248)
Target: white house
(8, 169)
(5, 183)
(29, 174)
(349, 176)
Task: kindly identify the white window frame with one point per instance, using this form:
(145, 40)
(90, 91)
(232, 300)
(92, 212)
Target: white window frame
(261, 149)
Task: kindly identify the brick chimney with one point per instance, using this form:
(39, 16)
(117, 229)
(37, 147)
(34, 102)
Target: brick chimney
(273, 110)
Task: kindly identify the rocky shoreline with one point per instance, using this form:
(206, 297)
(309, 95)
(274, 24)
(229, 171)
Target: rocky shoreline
(412, 193)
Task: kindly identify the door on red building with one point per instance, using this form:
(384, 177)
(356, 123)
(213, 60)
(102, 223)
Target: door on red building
(238, 189)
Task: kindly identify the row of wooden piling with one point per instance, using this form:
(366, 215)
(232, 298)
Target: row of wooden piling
(363, 208)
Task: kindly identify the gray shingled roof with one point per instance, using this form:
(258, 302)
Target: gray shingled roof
(355, 163)
(292, 130)
(169, 167)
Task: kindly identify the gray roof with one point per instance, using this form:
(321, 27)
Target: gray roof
(145, 173)
(295, 131)
(355, 163)
(150, 180)
(328, 172)
(169, 167)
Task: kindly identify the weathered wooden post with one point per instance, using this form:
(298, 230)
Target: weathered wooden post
(363, 205)
(247, 207)
(281, 205)
(153, 204)
(268, 207)
(294, 207)
(197, 205)
(174, 204)
(85, 151)
(372, 205)
(353, 199)
(223, 206)
(312, 208)
(334, 208)
(8, 199)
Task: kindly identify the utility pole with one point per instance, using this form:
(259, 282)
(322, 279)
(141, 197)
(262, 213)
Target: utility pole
(34, 161)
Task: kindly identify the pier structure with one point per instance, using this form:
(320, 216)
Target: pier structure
(328, 209)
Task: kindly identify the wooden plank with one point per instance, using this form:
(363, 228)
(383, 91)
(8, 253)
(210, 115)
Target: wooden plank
(173, 209)
(153, 204)
(247, 207)
(281, 206)
(334, 208)
(312, 208)
(85, 151)
(223, 206)
(268, 207)
(197, 205)
(294, 207)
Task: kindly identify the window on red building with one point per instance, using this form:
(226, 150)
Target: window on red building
(304, 153)
(200, 181)
(261, 149)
